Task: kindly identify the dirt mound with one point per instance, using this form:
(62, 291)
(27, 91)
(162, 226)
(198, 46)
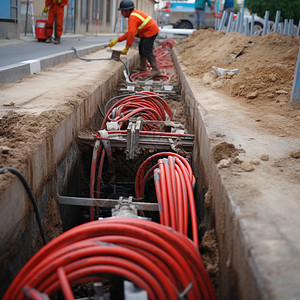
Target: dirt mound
(259, 71)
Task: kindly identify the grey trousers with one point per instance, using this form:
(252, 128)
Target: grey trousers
(199, 19)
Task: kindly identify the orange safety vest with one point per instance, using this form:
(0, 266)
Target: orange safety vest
(141, 25)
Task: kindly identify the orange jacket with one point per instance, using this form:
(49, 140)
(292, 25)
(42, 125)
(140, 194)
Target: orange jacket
(51, 2)
(134, 21)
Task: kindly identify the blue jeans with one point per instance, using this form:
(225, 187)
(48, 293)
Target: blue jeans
(199, 19)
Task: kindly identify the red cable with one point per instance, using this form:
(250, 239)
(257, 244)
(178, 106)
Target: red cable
(100, 168)
(95, 156)
(170, 197)
(164, 202)
(124, 226)
(158, 193)
(64, 283)
(185, 209)
(179, 193)
(191, 202)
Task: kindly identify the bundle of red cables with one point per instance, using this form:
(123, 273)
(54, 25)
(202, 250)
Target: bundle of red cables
(174, 181)
(163, 262)
(145, 104)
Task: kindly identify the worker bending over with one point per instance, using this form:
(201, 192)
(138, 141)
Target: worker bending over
(56, 12)
(144, 27)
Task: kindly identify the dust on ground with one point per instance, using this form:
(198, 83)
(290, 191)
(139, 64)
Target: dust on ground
(266, 67)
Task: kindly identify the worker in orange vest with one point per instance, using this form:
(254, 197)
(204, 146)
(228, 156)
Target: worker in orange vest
(56, 11)
(144, 27)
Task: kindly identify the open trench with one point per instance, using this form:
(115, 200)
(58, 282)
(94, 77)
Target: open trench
(97, 181)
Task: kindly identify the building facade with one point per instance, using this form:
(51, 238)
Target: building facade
(81, 16)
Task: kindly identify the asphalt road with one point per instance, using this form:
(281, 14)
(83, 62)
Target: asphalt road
(27, 48)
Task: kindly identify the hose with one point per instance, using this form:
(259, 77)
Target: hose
(28, 190)
(145, 75)
(173, 181)
(163, 262)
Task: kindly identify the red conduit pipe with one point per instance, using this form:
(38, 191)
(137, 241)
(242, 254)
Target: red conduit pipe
(100, 168)
(144, 75)
(149, 172)
(64, 283)
(84, 276)
(149, 272)
(170, 195)
(66, 257)
(141, 171)
(158, 194)
(152, 99)
(168, 43)
(163, 191)
(95, 156)
(127, 241)
(184, 199)
(179, 244)
(191, 202)
(173, 181)
(172, 242)
(167, 197)
(183, 208)
(141, 95)
(179, 194)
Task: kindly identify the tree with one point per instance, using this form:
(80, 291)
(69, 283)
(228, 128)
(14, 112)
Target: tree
(290, 9)
(237, 7)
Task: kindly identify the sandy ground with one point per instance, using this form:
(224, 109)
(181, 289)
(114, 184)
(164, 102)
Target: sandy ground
(266, 67)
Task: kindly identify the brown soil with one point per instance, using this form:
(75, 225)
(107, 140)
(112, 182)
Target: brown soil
(266, 68)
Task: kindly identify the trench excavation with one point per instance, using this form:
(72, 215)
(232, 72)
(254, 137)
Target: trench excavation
(134, 232)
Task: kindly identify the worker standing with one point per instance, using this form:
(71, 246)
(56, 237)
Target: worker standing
(144, 27)
(200, 13)
(56, 12)
(229, 7)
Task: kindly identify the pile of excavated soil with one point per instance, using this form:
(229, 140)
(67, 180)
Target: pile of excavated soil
(259, 73)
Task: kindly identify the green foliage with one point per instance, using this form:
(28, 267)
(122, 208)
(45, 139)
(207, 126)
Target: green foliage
(290, 9)
(237, 7)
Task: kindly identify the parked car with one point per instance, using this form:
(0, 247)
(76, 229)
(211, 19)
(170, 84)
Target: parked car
(180, 14)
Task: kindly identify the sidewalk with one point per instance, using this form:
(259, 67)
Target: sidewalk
(47, 55)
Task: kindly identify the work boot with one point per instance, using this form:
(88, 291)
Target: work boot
(56, 40)
(49, 39)
(155, 70)
(143, 65)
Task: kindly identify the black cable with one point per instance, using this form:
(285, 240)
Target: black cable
(114, 98)
(127, 71)
(23, 180)
(100, 110)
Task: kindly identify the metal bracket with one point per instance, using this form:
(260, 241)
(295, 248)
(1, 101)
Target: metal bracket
(124, 208)
(108, 203)
(132, 145)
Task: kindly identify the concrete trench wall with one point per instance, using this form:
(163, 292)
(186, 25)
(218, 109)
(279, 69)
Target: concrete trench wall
(47, 173)
(236, 279)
